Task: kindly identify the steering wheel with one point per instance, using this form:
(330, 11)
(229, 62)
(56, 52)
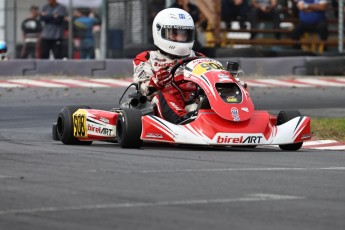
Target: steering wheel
(173, 70)
(181, 62)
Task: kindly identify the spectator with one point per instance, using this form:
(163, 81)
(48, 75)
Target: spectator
(294, 8)
(312, 18)
(83, 25)
(194, 12)
(3, 51)
(53, 15)
(265, 9)
(335, 5)
(235, 10)
(31, 28)
(154, 7)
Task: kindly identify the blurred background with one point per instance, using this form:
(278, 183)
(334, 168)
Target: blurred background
(123, 28)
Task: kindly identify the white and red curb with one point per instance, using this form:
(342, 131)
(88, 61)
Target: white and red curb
(114, 83)
(324, 145)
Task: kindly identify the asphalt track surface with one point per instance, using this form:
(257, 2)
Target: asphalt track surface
(47, 185)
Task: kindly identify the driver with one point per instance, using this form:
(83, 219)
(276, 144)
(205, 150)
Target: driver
(173, 34)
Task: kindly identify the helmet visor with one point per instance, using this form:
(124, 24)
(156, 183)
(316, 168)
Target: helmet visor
(178, 34)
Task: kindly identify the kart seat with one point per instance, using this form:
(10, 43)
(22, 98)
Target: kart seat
(203, 104)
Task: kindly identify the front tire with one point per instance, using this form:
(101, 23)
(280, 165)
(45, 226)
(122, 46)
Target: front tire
(128, 128)
(64, 126)
(283, 117)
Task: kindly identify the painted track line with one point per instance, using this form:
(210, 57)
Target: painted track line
(216, 170)
(258, 197)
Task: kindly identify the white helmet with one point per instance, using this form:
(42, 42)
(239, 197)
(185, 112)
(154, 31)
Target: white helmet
(173, 32)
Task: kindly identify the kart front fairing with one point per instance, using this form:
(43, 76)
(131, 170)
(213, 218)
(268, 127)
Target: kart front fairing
(228, 98)
(231, 120)
(210, 129)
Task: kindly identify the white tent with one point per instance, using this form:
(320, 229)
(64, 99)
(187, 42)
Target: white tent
(82, 3)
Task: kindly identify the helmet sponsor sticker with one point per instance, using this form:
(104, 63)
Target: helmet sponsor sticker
(179, 27)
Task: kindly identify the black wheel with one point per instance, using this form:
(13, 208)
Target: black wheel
(128, 128)
(64, 126)
(283, 117)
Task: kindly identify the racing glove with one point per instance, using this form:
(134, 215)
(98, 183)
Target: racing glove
(161, 78)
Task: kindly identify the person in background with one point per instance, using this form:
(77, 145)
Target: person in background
(173, 33)
(235, 10)
(335, 5)
(194, 11)
(31, 28)
(154, 7)
(293, 8)
(83, 26)
(3, 51)
(265, 9)
(53, 15)
(312, 18)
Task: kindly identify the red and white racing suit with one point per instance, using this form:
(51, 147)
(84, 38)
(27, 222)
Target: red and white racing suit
(169, 101)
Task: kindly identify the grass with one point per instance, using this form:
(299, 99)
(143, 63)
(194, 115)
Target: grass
(328, 128)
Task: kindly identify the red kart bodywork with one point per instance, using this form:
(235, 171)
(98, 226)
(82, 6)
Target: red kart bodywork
(230, 120)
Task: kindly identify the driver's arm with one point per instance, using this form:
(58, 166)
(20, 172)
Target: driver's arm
(149, 80)
(143, 72)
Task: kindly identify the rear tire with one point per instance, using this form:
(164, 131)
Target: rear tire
(128, 128)
(64, 126)
(283, 117)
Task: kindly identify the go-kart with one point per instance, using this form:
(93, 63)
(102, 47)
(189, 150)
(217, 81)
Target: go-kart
(225, 116)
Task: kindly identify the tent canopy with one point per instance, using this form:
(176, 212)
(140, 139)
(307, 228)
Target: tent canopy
(82, 3)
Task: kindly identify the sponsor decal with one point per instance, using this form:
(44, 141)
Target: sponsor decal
(305, 136)
(204, 60)
(100, 130)
(140, 67)
(176, 107)
(231, 99)
(154, 135)
(181, 16)
(142, 75)
(245, 109)
(79, 124)
(105, 120)
(234, 113)
(163, 64)
(239, 140)
(223, 76)
(160, 60)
